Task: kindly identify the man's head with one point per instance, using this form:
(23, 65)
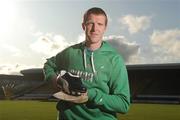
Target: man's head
(94, 24)
(95, 11)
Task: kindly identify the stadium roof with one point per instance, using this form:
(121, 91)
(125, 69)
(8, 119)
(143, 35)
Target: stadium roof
(129, 67)
(153, 66)
(32, 71)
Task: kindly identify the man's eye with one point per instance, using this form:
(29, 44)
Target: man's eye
(100, 24)
(89, 23)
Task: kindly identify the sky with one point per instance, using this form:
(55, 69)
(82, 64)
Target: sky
(143, 31)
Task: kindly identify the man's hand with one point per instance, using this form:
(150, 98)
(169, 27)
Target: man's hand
(75, 99)
(72, 88)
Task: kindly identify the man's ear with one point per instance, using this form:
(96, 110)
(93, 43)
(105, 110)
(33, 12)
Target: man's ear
(83, 26)
(105, 28)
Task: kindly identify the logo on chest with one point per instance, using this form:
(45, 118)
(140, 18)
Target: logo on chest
(84, 75)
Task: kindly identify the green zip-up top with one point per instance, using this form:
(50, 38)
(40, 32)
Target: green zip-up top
(103, 73)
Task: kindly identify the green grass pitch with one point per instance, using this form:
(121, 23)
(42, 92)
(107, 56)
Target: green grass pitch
(39, 110)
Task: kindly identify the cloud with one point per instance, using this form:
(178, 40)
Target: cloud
(167, 44)
(109, 19)
(37, 33)
(129, 50)
(168, 40)
(81, 38)
(14, 51)
(135, 23)
(14, 69)
(50, 44)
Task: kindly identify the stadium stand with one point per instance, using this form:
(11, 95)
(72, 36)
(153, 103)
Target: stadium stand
(42, 91)
(149, 83)
(155, 83)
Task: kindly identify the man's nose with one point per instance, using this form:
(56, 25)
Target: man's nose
(94, 28)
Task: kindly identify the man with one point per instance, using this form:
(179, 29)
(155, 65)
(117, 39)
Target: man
(98, 67)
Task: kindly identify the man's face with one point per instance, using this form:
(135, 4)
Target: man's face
(94, 28)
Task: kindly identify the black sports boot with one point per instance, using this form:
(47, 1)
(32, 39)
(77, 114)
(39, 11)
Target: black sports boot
(72, 83)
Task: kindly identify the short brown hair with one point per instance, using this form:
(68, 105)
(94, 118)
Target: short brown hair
(97, 11)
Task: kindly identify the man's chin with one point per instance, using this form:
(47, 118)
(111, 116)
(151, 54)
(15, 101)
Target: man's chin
(95, 39)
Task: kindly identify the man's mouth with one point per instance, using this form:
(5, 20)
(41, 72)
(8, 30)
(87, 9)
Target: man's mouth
(94, 34)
